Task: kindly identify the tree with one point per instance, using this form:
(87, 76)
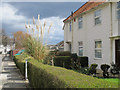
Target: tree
(5, 38)
(20, 38)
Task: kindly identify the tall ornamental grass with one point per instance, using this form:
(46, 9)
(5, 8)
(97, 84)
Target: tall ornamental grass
(34, 44)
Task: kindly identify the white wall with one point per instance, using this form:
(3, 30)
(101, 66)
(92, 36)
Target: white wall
(90, 32)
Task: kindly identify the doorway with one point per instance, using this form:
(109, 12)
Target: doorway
(117, 52)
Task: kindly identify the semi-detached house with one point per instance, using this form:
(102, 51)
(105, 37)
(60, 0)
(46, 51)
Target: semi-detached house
(94, 31)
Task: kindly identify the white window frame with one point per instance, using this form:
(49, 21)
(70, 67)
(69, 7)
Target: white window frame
(80, 20)
(98, 49)
(97, 17)
(70, 26)
(80, 47)
(118, 9)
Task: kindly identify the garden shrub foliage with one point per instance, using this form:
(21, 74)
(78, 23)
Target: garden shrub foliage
(46, 76)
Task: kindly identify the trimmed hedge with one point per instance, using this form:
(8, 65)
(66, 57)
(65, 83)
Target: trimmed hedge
(46, 76)
(83, 61)
(20, 64)
(62, 61)
(63, 53)
(68, 62)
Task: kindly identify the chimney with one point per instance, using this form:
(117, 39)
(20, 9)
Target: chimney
(72, 13)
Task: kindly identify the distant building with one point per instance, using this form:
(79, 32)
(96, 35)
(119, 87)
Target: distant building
(58, 47)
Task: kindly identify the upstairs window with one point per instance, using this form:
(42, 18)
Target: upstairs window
(97, 17)
(80, 48)
(80, 22)
(118, 10)
(98, 49)
(70, 26)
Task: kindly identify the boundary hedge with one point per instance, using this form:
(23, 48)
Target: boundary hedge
(46, 76)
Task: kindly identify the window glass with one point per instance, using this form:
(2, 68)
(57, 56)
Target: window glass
(80, 21)
(98, 44)
(118, 10)
(97, 13)
(80, 48)
(97, 16)
(118, 5)
(98, 49)
(98, 54)
(70, 26)
(80, 51)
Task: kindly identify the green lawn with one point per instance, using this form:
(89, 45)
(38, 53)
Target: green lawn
(116, 80)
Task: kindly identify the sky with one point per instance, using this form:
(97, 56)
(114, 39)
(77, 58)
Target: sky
(14, 14)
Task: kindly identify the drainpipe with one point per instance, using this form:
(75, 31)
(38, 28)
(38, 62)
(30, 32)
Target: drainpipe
(111, 33)
(72, 31)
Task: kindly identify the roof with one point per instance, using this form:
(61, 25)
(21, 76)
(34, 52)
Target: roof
(86, 7)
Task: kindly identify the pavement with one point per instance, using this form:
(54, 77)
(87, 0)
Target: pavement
(10, 76)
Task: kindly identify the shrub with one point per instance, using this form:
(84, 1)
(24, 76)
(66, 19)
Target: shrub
(20, 64)
(84, 70)
(105, 68)
(46, 76)
(92, 69)
(74, 63)
(62, 61)
(63, 53)
(83, 61)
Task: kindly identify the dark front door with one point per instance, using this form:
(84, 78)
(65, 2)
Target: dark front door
(117, 50)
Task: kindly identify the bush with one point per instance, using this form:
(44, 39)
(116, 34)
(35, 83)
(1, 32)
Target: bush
(64, 53)
(62, 61)
(20, 64)
(105, 68)
(84, 70)
(83, 61)
(46, 76)
(74, 63)
(92, 69)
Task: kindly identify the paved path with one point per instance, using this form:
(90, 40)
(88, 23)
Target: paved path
(11, 76)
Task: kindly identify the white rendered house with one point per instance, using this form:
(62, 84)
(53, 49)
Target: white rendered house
(94, 31)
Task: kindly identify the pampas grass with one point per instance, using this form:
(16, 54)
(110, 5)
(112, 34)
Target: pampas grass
(34, 44)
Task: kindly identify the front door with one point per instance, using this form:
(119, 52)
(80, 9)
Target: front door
(117, 51)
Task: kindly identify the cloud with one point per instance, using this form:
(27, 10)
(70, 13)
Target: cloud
(9, 14)
(45, 0)
(12, 22)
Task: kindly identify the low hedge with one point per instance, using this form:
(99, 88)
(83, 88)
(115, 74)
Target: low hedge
(67, 62)
(62, 61)
(63, 53)
(20, 64)
(83, 61)
(46, 76)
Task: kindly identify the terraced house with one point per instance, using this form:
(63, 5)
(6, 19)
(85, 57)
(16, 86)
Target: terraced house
(94, 31)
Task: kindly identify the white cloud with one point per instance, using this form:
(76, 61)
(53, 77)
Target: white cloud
(44, 0)
(17, 22)
(9, 15)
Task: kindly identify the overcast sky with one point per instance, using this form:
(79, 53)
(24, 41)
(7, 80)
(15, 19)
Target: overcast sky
(14, 15)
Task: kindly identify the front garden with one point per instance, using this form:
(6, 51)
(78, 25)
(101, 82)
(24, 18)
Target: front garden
(46, 76)
(55, 69)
